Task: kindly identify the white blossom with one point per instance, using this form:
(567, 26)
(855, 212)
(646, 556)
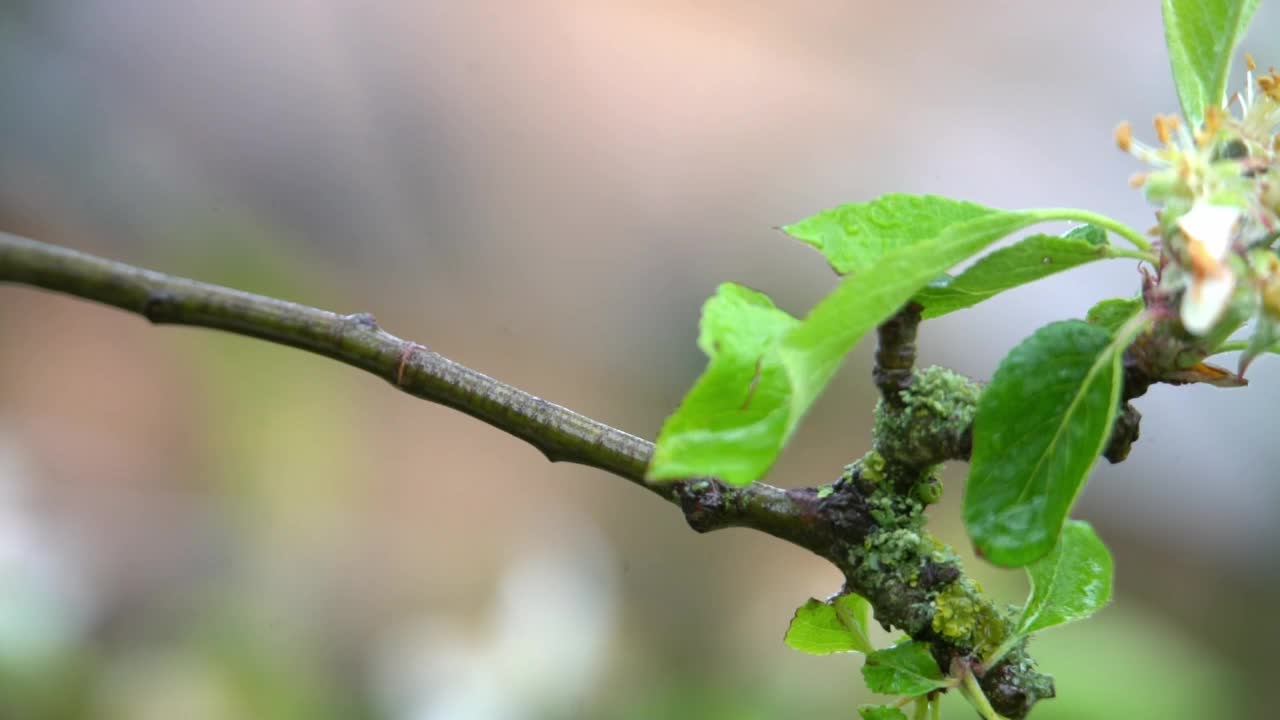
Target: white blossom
(1209, 232)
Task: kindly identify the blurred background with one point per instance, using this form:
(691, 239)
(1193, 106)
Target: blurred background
(200, 526)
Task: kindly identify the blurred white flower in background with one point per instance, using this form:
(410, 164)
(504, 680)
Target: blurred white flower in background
(44, 607)
(543, 649)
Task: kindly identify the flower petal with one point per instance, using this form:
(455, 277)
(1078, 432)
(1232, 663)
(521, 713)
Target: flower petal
(1205, 301)
(1212, 226)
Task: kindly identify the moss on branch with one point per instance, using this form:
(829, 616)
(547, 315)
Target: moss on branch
(930, 420)
(917, 584)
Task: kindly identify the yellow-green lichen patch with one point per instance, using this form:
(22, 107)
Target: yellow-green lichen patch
(967, 619)
(898, 548)
(941, 393)
(944, 553)
(879, 475)
(938, 404)
(871, 467)
(890, 559)
(891, 510)
(954, 618)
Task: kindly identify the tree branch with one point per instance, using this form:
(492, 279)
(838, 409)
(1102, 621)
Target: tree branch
(896, 353)
(869, 523)
(562, 435)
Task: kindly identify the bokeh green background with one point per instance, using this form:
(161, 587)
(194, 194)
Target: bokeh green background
(201, 526)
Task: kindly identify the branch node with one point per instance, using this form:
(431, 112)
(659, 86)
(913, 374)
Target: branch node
(159, 307)
(931, 422)
(1123, 434)
(1013, 686)
(703, 502)
(363, 319)
(405, 356)
(896, 353)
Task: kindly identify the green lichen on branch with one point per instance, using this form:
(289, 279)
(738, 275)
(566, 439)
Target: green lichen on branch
(899, 552)
(932, 423)
(887, 565)
(897, 561)
(966, 619)
(916, 583)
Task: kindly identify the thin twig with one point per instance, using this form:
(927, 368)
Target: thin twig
(562, 435)
(896, 353)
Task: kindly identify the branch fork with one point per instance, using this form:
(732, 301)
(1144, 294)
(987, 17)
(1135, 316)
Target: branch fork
(869, 523)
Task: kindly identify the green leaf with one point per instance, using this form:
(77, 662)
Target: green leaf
(823, 628)
(1112, 314)
(881, 712)
(855, 236)
(1202, 36)
(854, 612)
(1071, 583)
(734, 420)
(1026, 261)
(1040, 425)
(907, 668)
(813, 350)
(766, 370)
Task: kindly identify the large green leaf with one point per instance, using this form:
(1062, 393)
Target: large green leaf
(1040, 425)
(855, 236)
(1071, 583)
(1026, 261)
(735, 419)
(1201, 36)
(841, 625)
(762, 376)
(907, 668)
(812, 351)
(765, 370)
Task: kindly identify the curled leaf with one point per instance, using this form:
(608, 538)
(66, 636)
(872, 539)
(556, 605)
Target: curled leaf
(823, 628)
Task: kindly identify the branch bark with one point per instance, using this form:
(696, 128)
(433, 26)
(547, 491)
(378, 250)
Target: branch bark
(559, 433)
(871, 508)
(896, 353)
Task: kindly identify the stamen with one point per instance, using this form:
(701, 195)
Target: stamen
(1213, 119)
(1249, 63)
(1137, 180)
(1123, 135)
(1270, 84)
(1165, 125)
